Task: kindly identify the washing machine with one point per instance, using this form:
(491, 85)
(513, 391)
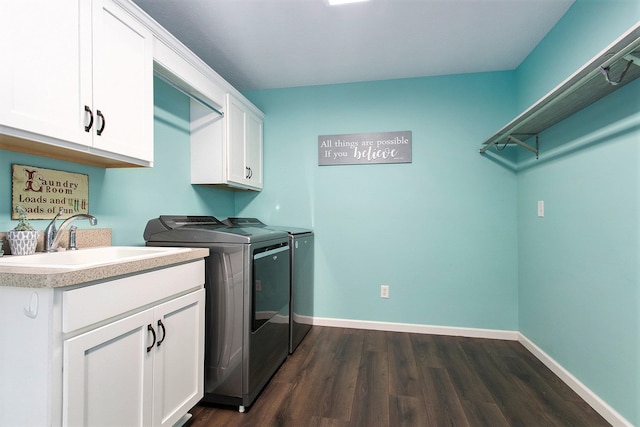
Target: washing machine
(247, 283)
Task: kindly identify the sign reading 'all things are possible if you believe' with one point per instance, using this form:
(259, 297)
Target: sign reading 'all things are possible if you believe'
(364, 148)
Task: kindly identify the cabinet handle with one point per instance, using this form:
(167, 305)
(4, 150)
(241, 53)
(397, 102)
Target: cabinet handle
(164, 332)
(150, 328)
(104, 122)
(87, 128)
(249, 172)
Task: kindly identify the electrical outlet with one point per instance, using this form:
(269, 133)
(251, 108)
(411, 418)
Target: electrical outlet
(384, 291)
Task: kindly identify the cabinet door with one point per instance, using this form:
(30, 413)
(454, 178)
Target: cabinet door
(44, 46)
(179, 358)
(244, 139)
(253, 153)
(237, 171)
(107, 374)
(122, 82)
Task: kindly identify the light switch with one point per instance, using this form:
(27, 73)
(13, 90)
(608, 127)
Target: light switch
(540, 208)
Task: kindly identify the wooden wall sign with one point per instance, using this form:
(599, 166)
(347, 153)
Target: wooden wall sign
(364, 148)
(43, 192)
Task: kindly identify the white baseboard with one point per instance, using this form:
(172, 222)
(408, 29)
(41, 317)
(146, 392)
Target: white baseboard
(416, 328)
(599, 405)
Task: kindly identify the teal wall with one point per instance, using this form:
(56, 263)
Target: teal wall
(125, 199)
(579, 291)
(440, 231)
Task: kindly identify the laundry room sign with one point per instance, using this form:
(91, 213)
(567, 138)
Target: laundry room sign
(43, 192)
(364, 148)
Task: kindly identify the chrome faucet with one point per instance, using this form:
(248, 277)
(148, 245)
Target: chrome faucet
(50, 231)
(52, 236)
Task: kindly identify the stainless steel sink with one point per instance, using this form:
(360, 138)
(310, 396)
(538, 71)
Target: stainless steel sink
(90, 257)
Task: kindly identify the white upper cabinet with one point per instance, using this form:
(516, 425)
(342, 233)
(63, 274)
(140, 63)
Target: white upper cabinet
(76, 82)
(244, 139)
(227, 150)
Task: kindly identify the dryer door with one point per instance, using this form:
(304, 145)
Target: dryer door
(270, 293)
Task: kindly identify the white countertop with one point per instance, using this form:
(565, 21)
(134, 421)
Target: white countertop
(36, 277)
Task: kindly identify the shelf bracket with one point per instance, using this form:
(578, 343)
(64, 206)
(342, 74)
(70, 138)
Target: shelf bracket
(631, 59)
(513, 140)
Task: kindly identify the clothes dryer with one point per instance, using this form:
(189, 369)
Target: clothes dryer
(301, 241)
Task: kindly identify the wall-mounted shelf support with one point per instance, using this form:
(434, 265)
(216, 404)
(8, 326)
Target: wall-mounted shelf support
(631, 59)
(512, 140)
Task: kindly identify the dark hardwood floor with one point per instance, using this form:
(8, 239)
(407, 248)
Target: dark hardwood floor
(349, 377)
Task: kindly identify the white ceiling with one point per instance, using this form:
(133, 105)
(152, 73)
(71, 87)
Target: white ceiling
(261, 44)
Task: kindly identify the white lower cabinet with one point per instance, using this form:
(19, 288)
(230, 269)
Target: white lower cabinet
(109, 368)
(145, 365)
(125, 352)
